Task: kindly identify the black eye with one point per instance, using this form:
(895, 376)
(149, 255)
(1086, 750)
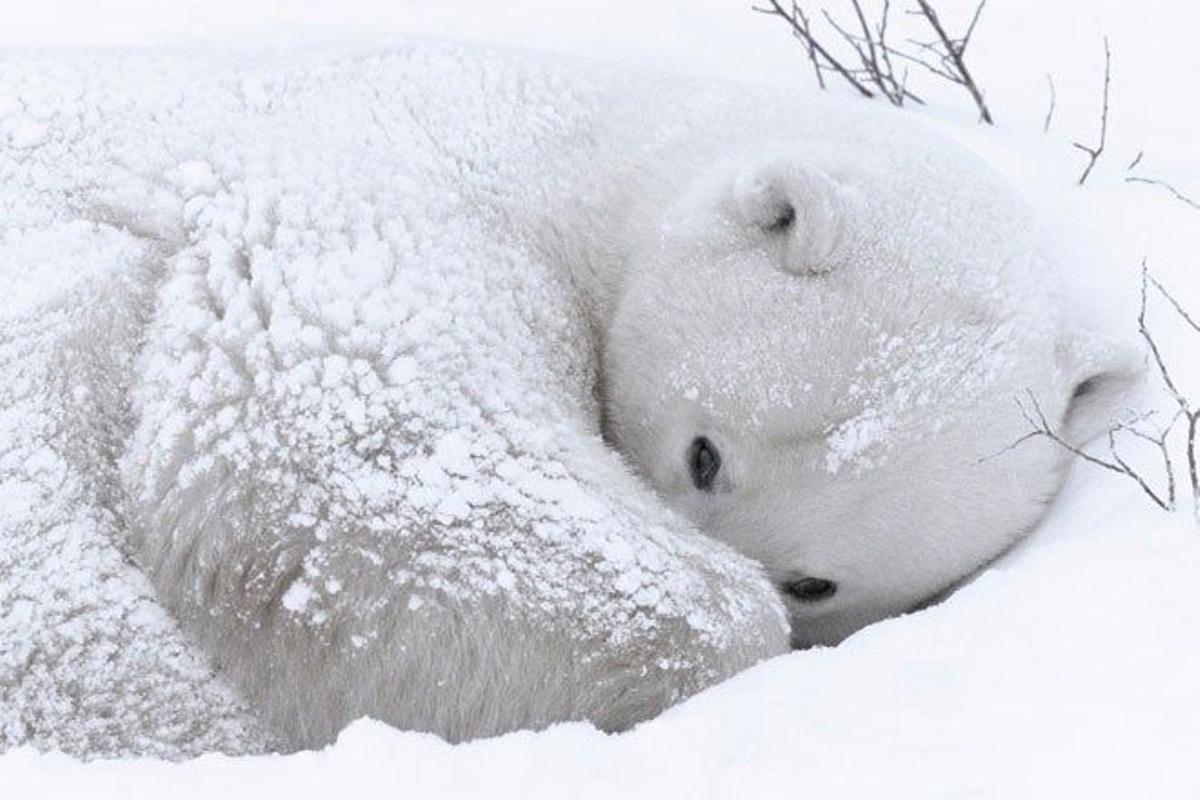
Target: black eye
(704, 462)
(786, 216)
(810, 590)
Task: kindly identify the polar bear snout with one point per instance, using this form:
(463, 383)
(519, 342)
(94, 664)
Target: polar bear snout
(807, 589)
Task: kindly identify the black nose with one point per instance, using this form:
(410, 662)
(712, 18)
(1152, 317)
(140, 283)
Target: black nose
(810, 590)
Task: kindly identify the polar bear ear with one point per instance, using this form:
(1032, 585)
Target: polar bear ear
(1104, 375)
(804, 209)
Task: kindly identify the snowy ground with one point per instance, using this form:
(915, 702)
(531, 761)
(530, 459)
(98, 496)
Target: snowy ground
(1068, 668)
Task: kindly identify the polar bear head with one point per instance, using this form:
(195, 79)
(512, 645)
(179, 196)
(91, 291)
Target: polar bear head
(822, 365)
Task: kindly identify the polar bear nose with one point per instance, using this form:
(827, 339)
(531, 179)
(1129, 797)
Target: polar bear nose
(810, 590)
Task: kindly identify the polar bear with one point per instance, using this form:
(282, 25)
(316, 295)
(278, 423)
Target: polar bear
(476, 391)
(824, 355)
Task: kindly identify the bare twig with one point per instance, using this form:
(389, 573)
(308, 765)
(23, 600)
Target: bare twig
(1041, 427)
(801, 31)
(952, 55)
(1186, 411)
(798, 14)
(1155, 182)
(1161, 439)
(873, 54)
(1192, 323)
(1159, 442)
(1136, 160)
(1050, 110)
(873, 61)
(869, 65)
(1193, 469)
(886, 55)
(1094, 152)
(875, 70)
(1148, 337)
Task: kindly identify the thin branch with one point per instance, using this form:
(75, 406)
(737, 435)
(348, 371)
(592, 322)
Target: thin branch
(873, 62)
(868, 68)
(1050, 110)
(1041, 427)
(1155, 182)
(1191, 414)
(1175, 304)
(803, 35)
(941, 73)
(885, 55)
(798, 13)
(1169, 500)
(1161, 440)
(1094, 152)
(954, 50)
(1148, 337)
(1136, 160)
(1193, 467)
(873, 55)
(971, 28)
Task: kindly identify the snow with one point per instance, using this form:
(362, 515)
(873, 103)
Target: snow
(1053, 675)
(1067, 668)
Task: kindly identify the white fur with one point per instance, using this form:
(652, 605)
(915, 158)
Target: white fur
(860, 372)
(359, 454)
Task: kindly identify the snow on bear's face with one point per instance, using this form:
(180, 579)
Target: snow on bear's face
(821, 367)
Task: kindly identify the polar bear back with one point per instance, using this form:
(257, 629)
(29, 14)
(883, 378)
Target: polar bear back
(361, 399)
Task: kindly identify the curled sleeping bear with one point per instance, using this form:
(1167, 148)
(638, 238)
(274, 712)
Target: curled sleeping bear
(815, 356)
(476, 391)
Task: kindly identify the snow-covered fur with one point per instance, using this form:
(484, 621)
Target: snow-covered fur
(853, 321)
(316, 348)
(306, 350)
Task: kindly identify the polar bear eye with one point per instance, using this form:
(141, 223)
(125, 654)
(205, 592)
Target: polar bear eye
(785, 216)
(704, 462)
